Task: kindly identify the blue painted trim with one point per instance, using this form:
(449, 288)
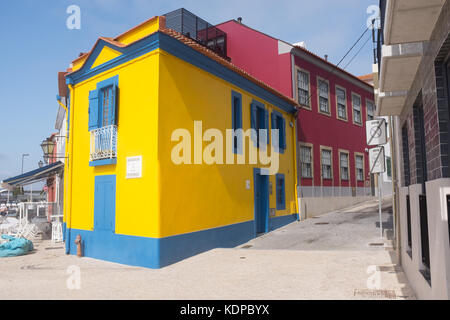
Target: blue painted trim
(158, 252)
(238, 149)
(102, 162)
(130, 250)
(64, 230)
(280, 148)
(176, 248)
(280, 177)
(161, 252)
(277, 222)
(105, 203)
(139, 48)
(182, 51)
(197, 59)
(256, 173)
(255, 106)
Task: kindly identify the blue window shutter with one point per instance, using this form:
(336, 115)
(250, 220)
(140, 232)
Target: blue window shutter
(239, 118)
(113, 105)
(273, 119)
(254, 135)
(233, 115)
(266, 124)
(280, 192)
(253, 116)
(283, 135)
(93, 109)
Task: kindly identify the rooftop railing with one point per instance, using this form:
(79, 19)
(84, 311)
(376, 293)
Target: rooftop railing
(187, 23)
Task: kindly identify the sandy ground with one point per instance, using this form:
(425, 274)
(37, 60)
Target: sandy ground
(303, 260)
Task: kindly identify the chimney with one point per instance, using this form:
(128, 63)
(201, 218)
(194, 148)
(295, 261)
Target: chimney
(301, 44)
(326, 57)
(239, 19)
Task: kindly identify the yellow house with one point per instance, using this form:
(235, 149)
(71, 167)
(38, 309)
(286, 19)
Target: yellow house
(156, 171)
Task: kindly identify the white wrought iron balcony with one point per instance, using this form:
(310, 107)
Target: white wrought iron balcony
(103, 143)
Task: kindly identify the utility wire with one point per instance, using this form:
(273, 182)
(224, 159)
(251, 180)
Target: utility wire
(357, 52)
(335, 67)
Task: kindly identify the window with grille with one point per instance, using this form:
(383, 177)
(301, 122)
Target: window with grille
(356, 109)
(405, 154)
(323, 96)
(303, 87)
(326, 164)
(370, 110)
(344, 165)
(341, 103)
(359, 164)
(236, 116)
(306, 161)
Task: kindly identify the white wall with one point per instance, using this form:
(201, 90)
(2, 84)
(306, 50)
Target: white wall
(438, 232)
(311, 207)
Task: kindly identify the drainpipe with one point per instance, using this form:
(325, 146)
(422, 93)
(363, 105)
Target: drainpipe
(294, 135)
(58, 98)
(69, 153)
(395, 213)
(294, 152)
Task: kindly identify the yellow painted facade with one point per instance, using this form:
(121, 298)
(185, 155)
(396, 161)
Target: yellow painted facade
(208, 196)
(157, 94)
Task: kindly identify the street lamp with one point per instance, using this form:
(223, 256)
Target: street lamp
(47, 146)
(24, 155)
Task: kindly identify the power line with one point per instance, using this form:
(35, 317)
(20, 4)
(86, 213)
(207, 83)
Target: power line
(335, 67)
(357, 52)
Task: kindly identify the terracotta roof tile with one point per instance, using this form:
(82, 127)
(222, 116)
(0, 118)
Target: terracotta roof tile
(211, 54)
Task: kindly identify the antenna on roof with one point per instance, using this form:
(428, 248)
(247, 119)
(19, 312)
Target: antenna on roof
(239, 19)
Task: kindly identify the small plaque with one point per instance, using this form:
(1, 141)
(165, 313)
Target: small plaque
(134, 167)
(272, 212)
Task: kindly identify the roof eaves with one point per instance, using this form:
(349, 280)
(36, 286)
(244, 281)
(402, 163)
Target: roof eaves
(211, 54)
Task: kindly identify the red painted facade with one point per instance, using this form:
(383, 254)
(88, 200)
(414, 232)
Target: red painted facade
(270, 60)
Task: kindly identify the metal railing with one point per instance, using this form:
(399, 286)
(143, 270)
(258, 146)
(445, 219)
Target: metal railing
(30, 210)
(204, 33)
(103, 143)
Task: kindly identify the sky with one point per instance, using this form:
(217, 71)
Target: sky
(36, 44)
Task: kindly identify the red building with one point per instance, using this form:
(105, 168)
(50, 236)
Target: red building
(331, 122)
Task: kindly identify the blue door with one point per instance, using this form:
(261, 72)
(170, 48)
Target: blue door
(261, 186)
(105, 203)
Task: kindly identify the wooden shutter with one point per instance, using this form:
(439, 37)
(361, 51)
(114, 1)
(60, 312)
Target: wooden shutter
(93, 110)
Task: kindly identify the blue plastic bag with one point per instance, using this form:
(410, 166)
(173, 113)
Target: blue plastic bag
(15, 246)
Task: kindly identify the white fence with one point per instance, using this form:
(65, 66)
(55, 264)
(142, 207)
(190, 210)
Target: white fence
(103, 143)
(318, 191)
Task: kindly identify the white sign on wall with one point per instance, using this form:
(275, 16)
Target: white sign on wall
(376, 160)
(134, 167)
(376, 132)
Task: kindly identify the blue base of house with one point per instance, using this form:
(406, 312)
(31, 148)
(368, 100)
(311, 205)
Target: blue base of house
(160, 252)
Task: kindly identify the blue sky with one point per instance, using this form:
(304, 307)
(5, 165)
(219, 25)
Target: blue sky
(36, 45)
